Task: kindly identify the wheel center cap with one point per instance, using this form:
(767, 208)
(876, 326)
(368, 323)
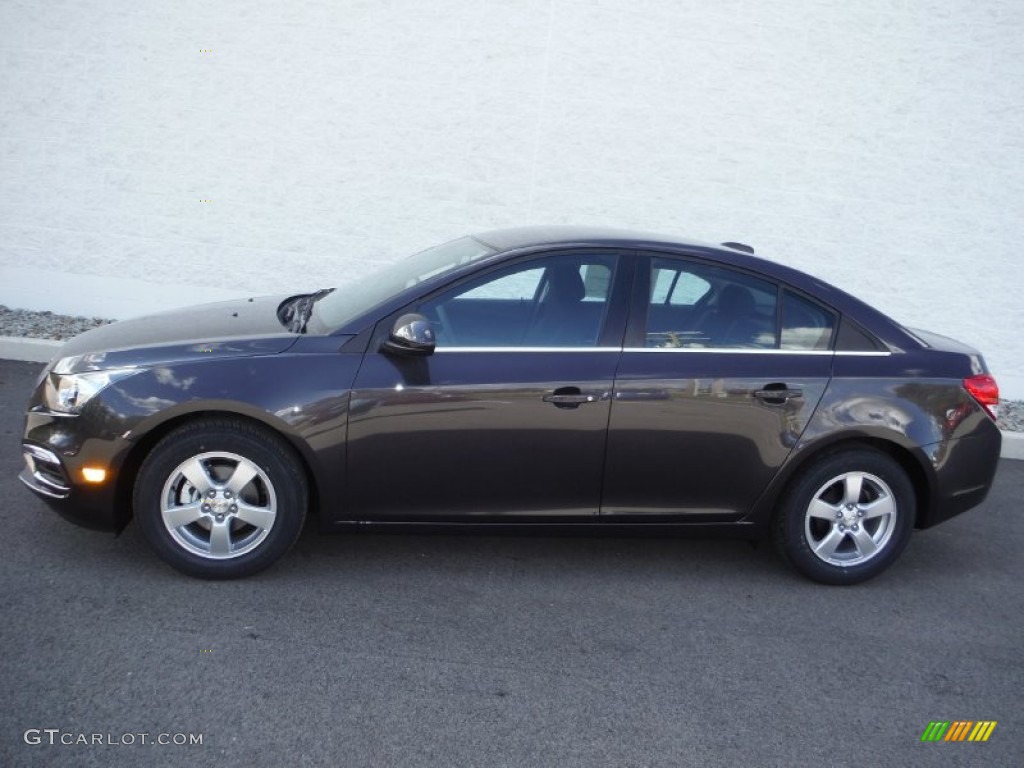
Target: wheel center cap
(849, 515)
(220, 506)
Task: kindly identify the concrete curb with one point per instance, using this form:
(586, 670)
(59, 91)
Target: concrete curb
(42, 350)
(1013, 445)
(28, 350)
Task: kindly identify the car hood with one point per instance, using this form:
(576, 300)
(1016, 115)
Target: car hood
(239, 328)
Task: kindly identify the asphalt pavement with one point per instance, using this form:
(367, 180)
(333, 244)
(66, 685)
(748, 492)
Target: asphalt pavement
(486, 650)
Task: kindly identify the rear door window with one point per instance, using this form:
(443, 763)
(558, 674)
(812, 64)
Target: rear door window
(696, 305)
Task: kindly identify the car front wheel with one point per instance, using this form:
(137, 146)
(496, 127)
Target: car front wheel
(847, 517)
(220, 498)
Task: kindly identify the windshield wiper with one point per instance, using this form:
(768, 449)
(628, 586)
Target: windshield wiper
(297, 314)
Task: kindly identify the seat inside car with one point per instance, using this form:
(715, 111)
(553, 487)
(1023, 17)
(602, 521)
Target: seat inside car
(732, 321)
(562, 317)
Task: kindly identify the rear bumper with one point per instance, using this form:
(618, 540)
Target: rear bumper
(964, 472)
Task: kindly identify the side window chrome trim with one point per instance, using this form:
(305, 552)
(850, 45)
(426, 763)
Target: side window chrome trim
(527, 349)
(712, 351)
(728, 351)
(731, 351)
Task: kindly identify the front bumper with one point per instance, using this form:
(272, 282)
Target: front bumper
(81, 506)
(44, 472)
(55, 450)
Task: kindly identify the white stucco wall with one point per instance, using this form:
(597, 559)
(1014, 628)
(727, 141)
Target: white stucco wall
(878, 144)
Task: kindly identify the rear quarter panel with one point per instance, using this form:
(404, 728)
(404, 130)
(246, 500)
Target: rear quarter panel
(914, 405)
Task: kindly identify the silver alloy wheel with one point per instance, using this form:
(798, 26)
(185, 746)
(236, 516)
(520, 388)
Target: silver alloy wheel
(850, 519)
(218, 505)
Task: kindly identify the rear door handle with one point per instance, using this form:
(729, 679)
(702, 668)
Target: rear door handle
(778, 394)
(570, 397)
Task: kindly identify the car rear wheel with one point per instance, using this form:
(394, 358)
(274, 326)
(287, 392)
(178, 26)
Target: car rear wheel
(220, 498)
(847, 517)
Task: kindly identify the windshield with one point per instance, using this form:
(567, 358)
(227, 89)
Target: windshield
(355, 297)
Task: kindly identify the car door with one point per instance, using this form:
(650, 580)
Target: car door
(718, 379)
(508, 417)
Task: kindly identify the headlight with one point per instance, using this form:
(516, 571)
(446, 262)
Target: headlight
(69, 392)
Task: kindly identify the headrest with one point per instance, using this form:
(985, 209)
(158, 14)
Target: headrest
(565, 283)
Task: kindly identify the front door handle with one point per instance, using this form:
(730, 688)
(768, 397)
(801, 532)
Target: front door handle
(569, 397)
(777, 394)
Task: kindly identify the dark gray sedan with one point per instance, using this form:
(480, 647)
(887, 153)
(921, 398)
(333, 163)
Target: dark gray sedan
(529, 377)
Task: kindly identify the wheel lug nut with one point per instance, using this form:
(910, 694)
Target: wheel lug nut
(220, 518)
(206, 507)
(856, 527)
(842, 527)
(210, 494)
(860, 513)
(227, 494)
(234, 508)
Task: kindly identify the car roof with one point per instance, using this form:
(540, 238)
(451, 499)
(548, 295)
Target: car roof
(525, 237)
(542, 237)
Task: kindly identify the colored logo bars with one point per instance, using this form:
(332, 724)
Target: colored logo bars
(958, 730)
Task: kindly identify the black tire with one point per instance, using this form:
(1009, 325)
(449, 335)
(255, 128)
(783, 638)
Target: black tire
(255, 524)
(854, 542)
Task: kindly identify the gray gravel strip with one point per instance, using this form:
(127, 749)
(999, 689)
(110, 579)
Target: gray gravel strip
(1011, 415)
(47, 325)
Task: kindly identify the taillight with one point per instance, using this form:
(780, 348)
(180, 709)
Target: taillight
(984, 389)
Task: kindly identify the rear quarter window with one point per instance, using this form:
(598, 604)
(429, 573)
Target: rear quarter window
(805, 325)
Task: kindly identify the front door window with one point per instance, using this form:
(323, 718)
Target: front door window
(560, 301)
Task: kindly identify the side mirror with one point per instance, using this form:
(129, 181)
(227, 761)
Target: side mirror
(411, 335)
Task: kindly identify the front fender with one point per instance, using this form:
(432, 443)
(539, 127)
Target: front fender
(302, 397)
